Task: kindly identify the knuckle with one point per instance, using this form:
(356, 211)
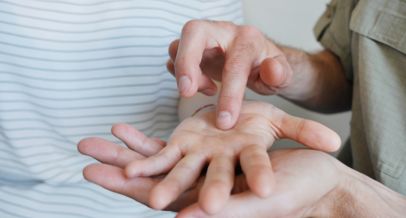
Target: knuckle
(249, 32)
(300, 126)
(174, 183)
(185, 167)
(248, 39)
(192, 25)
(235, 65)
(228, 99)
(217, 184)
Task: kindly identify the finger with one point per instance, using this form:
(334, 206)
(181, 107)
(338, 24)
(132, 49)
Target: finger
(189, 55)
(180, 178)
(257, 168)
(113, 179)
(173, 49)
(136, 140)
(218, 184)
(170, 66)
(275, 71)
(154, 165)
(206, 85)
(107, 152)
(238, 64)
(310, 133)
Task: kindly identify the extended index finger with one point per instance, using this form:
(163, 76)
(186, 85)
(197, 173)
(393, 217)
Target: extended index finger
(240, 60)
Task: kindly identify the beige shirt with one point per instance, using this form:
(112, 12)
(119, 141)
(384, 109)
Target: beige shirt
(369, 37)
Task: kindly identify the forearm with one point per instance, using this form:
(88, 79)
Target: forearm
(318, 82)
(361, 196)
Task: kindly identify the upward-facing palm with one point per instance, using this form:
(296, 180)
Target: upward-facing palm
(303, 179)
(196, 142)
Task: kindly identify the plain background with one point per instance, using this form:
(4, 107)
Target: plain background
(291, 22)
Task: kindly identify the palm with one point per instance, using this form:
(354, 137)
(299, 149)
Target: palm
(196, 142)
(303, 177)
(251, 129)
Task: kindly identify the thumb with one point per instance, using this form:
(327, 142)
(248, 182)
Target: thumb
(310, 133)
(275, 71)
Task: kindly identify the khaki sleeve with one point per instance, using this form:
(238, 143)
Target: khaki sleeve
(333, 32)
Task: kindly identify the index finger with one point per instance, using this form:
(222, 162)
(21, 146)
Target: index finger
(239, 62)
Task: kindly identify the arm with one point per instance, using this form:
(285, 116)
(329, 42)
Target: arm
(360, 196)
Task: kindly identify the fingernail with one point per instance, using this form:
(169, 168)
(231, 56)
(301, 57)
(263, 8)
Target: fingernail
(184, 83)
(224, 118)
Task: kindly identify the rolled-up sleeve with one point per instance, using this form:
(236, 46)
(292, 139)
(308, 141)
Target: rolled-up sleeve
(332, 30)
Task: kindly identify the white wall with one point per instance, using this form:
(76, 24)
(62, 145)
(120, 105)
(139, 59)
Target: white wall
(291, 22)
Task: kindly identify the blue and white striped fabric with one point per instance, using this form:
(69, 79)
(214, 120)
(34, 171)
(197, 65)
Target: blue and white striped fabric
(70, 69)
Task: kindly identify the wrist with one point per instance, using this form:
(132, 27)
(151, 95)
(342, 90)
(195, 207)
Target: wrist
(318, 81)
(303, 84)
(357, 195)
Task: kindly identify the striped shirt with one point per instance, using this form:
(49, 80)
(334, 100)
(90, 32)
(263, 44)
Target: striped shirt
(70, 69)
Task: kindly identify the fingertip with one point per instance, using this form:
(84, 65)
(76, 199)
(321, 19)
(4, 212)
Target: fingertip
(335, 142)
(118, 128)
(170, 66)
(193, 211)
(85, 145)
(213, 199)
(186, 86)
(158, 199)
(82, 146)
(264, 188)
(262, 185)
(91, 172)
(225, 120)
(131, 170)
(87, 170)
(327, 138)
(272, 73)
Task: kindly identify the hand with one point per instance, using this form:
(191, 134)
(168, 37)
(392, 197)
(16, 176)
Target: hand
(304, 179)
(308, 184)
(110, 172)
(196, 141)
(236, 55)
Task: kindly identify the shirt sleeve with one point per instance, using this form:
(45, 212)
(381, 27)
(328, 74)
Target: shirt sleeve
(333, 32)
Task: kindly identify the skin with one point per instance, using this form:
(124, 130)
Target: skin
(308, 183)
(197, 142)
(241, 56)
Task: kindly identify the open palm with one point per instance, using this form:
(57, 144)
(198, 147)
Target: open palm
(303, 178)
(196, 142)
